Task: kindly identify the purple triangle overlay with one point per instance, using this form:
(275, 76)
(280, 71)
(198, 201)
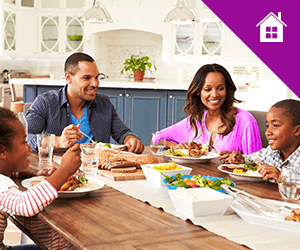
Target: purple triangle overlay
(283, 58)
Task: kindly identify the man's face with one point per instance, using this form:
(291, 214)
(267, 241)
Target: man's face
(85, 82)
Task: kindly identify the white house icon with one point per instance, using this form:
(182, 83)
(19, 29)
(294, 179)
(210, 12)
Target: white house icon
(271, 28)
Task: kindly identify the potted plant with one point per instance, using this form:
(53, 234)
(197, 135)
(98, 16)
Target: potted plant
(138, 65)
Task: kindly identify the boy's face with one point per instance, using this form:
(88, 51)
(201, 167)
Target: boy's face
(281, 133)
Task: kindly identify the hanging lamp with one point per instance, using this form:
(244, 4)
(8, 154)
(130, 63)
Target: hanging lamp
(97, 13)
(180, 13)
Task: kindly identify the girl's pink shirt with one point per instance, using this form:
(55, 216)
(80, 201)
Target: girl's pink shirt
(244, 137)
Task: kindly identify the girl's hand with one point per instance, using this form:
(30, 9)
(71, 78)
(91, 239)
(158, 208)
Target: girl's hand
(234, 157)
(47, 171)
(269, 172)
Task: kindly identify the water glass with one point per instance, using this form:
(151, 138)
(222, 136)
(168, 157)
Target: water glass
(89, 157)
(45, 143)
(289, 183)
(157, 145)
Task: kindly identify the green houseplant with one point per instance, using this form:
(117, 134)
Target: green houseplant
(138, 65)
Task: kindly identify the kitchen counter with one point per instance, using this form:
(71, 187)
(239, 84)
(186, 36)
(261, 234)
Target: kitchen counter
(114, 82)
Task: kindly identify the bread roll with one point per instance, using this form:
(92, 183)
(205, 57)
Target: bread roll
(108, 154)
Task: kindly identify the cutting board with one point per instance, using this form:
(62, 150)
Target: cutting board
(138, 175)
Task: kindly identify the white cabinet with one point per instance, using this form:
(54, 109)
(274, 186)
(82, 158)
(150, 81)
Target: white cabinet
(9, 31)
(37, 28)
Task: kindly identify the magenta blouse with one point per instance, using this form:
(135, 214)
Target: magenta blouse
(244, 137)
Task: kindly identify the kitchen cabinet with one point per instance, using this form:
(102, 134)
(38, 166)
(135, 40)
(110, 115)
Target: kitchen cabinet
(38, 28)
(144, 111)
(60, 34)
(9, 31)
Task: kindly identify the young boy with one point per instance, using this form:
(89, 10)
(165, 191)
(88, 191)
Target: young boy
(283, 135)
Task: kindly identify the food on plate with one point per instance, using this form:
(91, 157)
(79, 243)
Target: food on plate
(73, 183)
(175, 152)
(108, 154)
(196, 181)
(250, 168)
(116, 163)
(166, 167)
(197, 149)
(107, 145)
(194, 150)
(123, 170)
(120, 147)
(294, 216)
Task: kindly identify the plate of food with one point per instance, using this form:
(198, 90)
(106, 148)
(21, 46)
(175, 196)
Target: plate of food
(196, 153)
(89, 184)
(288, 222)
(196, 181)
(244, 172)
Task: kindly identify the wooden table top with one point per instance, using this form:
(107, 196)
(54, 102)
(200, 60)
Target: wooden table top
(109, 219)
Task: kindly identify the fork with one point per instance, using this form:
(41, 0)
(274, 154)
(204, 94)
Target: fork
(88, 137)
(212, 147)
(257, 160)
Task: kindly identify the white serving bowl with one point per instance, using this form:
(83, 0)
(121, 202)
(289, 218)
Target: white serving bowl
(156, 177)
(209, 201)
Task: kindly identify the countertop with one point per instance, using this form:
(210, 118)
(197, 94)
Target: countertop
(114, 82)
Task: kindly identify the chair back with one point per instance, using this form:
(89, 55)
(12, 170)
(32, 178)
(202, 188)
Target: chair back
(260, 117)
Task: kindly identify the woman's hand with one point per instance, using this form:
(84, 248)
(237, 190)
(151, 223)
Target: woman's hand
(269, 173)
(47, 171)
(182, 145)
(234, 157)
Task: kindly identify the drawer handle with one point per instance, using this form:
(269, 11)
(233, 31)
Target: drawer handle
(171, 96)
(127, 95)
(120, 94)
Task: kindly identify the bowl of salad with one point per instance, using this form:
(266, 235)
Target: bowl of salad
(196, 181)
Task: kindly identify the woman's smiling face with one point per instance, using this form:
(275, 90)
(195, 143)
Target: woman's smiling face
(213, 93)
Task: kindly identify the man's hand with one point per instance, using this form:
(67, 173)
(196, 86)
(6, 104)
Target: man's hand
(133, 144)
(234, 157)
(70, 135)
(269, 173)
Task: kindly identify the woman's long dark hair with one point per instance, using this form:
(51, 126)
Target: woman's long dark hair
(194, 107)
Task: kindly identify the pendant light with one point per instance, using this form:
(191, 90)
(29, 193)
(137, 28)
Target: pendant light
(180, 13)
(97, 13)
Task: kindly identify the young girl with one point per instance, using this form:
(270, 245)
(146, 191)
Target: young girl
(283, 135)
(14, 153)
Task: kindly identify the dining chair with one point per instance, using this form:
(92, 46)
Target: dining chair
(260, 117)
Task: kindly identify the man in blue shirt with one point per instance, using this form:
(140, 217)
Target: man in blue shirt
(78, 107)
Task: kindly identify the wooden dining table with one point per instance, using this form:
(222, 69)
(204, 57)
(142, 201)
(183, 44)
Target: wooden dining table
(110, 219)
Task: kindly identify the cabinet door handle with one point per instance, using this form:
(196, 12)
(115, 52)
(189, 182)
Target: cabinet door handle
(171, 96)
(120, 94)
(127, 95)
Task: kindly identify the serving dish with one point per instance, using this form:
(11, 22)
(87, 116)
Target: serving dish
(208, 201)
(189, 159)
(67, 194)
(156, 177)
(242, 177)
(249, 216)
(212, 178)
(75, 37)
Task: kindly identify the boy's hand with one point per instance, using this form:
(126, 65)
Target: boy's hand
(47, 171)
(234, 157)
(269, 172)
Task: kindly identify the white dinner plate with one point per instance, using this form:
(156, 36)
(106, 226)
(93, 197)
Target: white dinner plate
(248, 216)
(188, 159)
(242, 177)
(67, 194)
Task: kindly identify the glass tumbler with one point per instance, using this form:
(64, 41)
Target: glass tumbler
(289, 183)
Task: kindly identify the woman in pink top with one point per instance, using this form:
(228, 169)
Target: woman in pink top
(14, 152)
(211, 116)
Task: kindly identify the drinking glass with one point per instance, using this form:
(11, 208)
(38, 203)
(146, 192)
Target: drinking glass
(289, 183)
(157, 146)
(89, 158)
(45, 143)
